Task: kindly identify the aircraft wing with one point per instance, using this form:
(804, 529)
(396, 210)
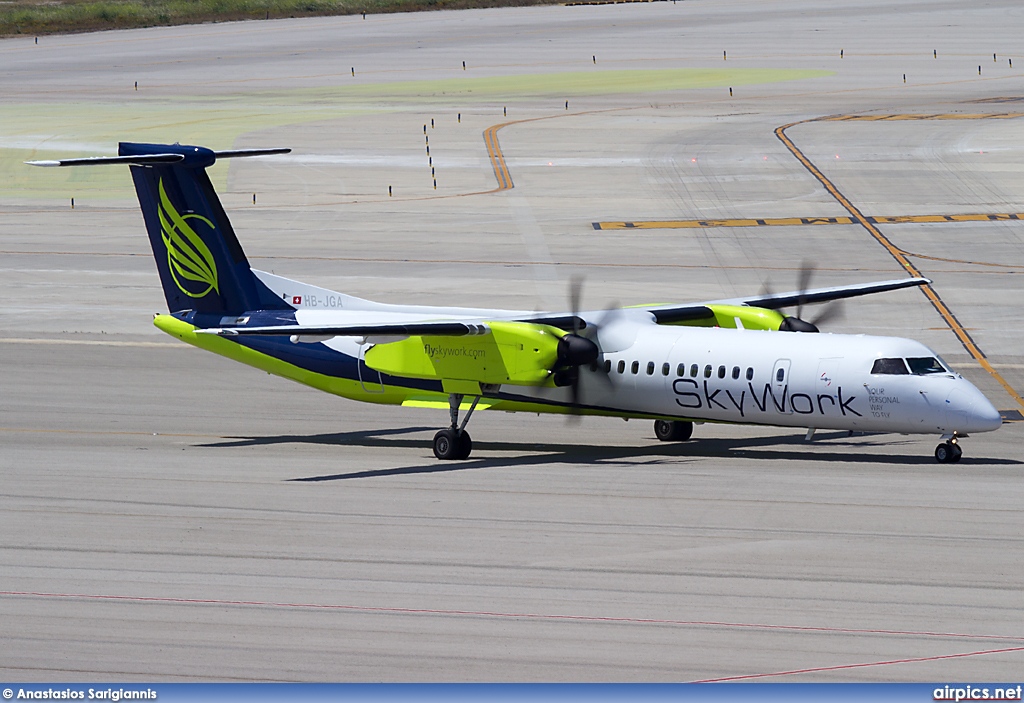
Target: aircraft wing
(434, 328)
(663, 314)
(439, 328)
(774, 301)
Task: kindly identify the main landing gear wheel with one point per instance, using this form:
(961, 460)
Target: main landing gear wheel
(672, 430)
(948, 453)
(452, 444)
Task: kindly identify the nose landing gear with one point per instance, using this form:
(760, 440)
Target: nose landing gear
(949, 452)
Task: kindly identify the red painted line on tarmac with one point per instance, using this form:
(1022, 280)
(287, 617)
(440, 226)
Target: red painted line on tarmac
(840, 667)
(525, 616)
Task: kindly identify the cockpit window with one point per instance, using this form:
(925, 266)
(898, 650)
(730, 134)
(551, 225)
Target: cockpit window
(925, 365)
(889, 366)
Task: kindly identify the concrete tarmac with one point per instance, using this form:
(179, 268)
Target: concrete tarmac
(169, 515)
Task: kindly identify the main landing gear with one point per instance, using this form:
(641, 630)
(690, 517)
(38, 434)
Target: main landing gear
(454, 443)
(949, 452)
(673, 430)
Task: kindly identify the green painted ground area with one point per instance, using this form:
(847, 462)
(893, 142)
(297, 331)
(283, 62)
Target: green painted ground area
(92, 129)
(575, 84)
(36, 132)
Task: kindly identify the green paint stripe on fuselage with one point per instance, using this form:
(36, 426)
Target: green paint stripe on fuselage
(335, 385)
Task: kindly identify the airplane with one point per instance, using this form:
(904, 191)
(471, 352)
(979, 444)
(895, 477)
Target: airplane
(736, 360)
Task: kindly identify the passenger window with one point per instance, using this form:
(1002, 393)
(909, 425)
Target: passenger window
(650, 368)
(721, 372)
(750, 373)
(707, 371)
(665, 368)
(607, 365)
(693, 370)
(681, 370)
(889, 367)
(925, 365)
(735, 372)
(780, 375)
(635, 368)
(622, 365)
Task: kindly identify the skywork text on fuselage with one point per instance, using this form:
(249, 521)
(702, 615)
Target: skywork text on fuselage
(701, 396)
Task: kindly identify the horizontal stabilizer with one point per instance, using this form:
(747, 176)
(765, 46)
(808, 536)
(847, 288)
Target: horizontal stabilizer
(201, 264)
(144, 159)
(237, 153)
(138, 160)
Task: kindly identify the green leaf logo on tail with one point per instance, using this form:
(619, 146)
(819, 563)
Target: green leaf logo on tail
(189, 259)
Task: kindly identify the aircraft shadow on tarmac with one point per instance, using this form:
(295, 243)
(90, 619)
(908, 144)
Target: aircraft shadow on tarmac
(840, 448)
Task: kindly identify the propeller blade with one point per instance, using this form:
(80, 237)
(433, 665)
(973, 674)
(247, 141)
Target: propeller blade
(570, 378)
(832, 311)
(575, 397)
(608, 316)
(605, 376)
(806, 273)
(575, 296)
(581, 348)
(611, 311)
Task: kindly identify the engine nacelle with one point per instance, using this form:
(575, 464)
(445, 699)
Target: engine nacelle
(734, 316)
(517, 353)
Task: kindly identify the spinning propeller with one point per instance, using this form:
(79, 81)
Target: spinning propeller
(575, 349)
(795, 323)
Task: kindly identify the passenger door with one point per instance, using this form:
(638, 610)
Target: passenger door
(780, 385)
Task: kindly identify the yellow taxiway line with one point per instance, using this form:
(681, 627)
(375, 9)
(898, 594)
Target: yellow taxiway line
(497, 158)
(504, 178)
(947, 315)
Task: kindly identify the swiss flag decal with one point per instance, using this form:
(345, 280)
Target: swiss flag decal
(296, 300)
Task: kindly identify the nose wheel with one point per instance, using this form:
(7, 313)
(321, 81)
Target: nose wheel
(454, 443)
(949, 452)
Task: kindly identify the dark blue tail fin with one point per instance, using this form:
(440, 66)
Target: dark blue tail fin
(201, 264)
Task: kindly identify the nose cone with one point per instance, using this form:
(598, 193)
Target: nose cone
(968, 410)
(983, 416)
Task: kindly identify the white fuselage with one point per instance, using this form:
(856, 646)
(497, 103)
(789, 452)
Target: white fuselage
(821, 381)
(779, 378)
